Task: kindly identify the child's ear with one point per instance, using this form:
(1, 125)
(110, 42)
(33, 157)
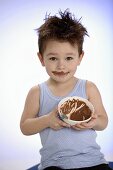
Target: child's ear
(81, 57)
(41, 58)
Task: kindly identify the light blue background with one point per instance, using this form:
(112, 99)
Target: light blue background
(20, 69)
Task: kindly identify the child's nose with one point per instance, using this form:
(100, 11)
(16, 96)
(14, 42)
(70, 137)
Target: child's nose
(61, 64)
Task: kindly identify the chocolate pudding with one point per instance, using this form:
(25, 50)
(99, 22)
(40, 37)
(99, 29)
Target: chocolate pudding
(75, 109)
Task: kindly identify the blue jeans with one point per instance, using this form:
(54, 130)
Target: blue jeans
(98, 167)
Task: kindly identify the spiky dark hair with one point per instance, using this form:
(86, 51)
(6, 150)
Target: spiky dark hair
(64, 28)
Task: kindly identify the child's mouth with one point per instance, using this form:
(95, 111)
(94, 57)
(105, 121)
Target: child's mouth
(60, 73)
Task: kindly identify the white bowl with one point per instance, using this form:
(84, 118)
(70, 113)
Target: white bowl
(66, 117)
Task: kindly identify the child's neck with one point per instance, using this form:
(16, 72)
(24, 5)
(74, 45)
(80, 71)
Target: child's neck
(61, 89)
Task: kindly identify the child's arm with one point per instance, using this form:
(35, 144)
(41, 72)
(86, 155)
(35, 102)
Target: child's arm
(30, 122)
(99, 120)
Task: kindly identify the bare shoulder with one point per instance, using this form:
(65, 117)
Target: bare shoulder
(91, 85)
(92, 90)
(34, 92)
(95, 98)
(31, 107)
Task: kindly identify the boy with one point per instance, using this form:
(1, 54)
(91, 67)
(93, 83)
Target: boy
(63, 146)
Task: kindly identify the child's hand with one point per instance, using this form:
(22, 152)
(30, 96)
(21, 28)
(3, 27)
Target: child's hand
(86, 125)
(54, 121)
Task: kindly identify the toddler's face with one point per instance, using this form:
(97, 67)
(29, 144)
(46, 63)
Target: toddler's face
(60, 60)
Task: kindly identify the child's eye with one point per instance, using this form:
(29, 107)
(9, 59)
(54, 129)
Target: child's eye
(69, 58)
(53, 58)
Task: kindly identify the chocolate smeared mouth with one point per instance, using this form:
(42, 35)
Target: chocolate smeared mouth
(60, 73)
(75, 109)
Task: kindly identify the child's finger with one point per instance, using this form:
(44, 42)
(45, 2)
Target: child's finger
(64, 124)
